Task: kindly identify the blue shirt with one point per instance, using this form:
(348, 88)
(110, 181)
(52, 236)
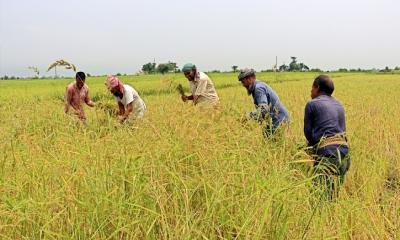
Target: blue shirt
(323, 117)
(267, 104)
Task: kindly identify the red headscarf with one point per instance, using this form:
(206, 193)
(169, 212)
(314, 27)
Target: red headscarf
(113, 82)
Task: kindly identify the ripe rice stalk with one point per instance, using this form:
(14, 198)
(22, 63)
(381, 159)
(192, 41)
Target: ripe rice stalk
(62, 63)
(108, 108)
(180, 90)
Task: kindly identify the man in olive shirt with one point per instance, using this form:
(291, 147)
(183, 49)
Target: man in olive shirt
(201, 86)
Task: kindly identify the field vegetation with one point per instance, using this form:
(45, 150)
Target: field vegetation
(188, 173)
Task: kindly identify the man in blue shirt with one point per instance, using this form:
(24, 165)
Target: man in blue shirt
(268, 106)
(325, 128)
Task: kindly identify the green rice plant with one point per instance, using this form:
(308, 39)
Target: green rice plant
(180, 89)
(108, 108)
(187, 173)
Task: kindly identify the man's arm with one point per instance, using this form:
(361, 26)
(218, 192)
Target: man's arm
(308, 124)
(89, 101)
(262, 106)
(67, 100)
(342, 119)
(129, 110)
(195, 99)
(186, 98)
(121, 109)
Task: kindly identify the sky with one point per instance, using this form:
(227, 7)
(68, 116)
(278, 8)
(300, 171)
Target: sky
(119, 36)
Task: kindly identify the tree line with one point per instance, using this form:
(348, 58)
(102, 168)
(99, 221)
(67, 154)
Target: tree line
(172, 67)
(152, 68)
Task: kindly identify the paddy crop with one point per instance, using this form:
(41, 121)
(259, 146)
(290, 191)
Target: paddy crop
(188, 173)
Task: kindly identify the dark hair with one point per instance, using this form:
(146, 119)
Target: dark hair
(81, 76)
(324, 84)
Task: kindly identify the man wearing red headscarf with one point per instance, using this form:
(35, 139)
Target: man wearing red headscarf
(130, 104)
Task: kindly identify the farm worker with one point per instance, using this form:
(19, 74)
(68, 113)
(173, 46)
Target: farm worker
(324, 129)
(269, 108)
(131, 106)
(201, 86)
(76, 93)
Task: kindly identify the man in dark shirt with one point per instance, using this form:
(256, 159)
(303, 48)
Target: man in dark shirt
(325, 128)
(269, 108)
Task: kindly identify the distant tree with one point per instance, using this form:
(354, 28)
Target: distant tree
(88, 74)
(163, 68)
(234, 68)
(149, 68)
(118, 74)
(35, 70)
(167, 67)
(172, 66)
(315, 70)
(283, 68)
(293, 65)
(5, 77)
(397, 68)
(302, 67)
(268, 70)
(342, 70)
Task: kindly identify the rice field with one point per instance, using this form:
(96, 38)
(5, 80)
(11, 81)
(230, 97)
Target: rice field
(188, 173)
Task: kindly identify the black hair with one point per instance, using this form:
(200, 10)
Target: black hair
(81, 76)
(324, 84)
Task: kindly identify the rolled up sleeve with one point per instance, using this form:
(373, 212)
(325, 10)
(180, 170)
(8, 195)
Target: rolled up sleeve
(262, 105)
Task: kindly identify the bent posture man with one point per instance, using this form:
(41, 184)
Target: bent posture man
(130, 104)
(269, 108)
(325, 128)
(201, 86)
(76, 93)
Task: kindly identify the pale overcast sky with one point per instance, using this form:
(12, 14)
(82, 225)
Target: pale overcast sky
(120, 36)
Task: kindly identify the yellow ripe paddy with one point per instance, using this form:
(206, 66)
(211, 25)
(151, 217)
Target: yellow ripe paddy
(187, 173)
